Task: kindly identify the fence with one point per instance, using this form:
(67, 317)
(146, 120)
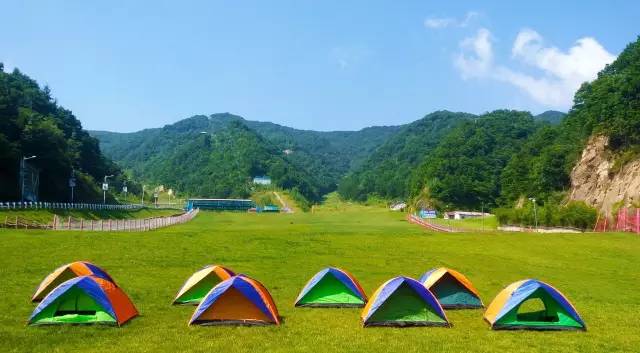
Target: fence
(109, 225)
(65, 205)
(417, 220)
(628, 220)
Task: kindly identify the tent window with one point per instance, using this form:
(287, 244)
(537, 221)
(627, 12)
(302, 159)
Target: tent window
(534, 309)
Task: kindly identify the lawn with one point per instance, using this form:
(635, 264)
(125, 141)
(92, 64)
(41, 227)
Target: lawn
(599, 273)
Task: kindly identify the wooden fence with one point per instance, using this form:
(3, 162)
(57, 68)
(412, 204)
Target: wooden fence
(438, 228)
(108, 225)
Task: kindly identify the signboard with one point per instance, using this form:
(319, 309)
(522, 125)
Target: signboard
(72, 182)
(124, 188)
(155, 194)
(105, 186)
(427, 214)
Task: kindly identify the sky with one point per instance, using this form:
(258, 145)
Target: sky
(322, 65)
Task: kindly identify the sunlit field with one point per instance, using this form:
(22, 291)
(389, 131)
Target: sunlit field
(599, 273)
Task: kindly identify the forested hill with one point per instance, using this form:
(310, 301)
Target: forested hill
(32, 123)
(186, 155)
(386, 172)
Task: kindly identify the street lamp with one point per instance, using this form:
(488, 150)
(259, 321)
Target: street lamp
(142, 196)
(105, 187)
(22, 165)
(535, 213)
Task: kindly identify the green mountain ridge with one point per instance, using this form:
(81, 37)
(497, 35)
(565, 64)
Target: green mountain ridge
(314, 161)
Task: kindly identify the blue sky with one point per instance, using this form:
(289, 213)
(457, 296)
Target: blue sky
(324, 65)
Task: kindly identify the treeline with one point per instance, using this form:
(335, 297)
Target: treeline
(32, 123)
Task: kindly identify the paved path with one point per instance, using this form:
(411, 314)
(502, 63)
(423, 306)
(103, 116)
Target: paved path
(285, 207)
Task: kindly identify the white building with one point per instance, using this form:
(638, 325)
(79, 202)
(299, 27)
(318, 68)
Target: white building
(262, 180)
(464, 214)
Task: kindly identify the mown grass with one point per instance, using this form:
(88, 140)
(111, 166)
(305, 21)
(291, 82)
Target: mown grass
(46, 216)
(598, 272)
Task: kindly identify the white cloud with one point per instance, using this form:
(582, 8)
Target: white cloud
(476, 58)
(560, 73)
(444, 22)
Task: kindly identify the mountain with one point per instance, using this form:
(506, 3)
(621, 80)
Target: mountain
(310, 161)
(32, 123)
(464, 170)
(551, 116)
(387, 171)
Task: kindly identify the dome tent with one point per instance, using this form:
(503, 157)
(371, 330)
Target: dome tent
(238, 300)
(332, 287)
(200, 283)
(403, 301)
(84, 300)
(452, 288)
(67, 272)
(504, 312)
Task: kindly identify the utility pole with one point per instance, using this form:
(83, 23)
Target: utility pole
(72, 182)
(535, 212)
(22, 175)
(482, 211)
(142, 196)
(105, 187)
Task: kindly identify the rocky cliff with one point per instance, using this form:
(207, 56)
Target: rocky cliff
(593, 182)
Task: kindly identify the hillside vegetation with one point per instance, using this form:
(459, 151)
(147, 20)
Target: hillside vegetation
(218, 155)
(32, 123)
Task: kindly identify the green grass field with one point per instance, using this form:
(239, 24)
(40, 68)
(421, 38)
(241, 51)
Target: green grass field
(599, 273)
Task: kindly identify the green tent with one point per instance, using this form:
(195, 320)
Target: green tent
(84, 300)
(403, 301)
(531, 304)
(332, 287)
(200, 283)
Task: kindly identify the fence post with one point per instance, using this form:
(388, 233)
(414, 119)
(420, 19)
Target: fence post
(109, 225)
(81, 223)
(102, 224)
(92, 224)
(637, 220)
(16, 222)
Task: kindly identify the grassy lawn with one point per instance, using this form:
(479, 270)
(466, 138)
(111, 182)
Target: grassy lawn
(599, 274)
(46, 216)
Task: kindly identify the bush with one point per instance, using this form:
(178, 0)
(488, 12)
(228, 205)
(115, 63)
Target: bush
(575, 214)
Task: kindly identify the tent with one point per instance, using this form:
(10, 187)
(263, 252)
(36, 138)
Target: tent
(238, 300)
(84, 300)
(403, 301)
(452, 288)
(200, 283)
(66, 272)
(332, 287)
(555, 312)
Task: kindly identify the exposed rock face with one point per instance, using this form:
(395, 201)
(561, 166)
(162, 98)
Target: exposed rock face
(592, 182)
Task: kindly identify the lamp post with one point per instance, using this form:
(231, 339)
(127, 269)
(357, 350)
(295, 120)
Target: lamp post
(105, 187)
(142, 196)
(535, 212)
(22, 165)
(482, 211)
(72, 182)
